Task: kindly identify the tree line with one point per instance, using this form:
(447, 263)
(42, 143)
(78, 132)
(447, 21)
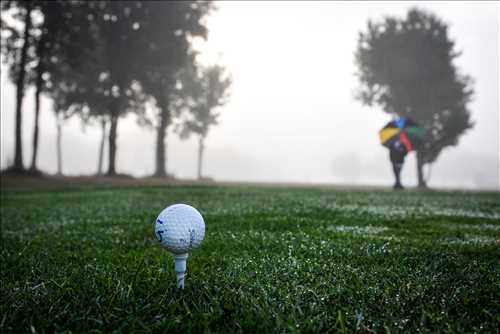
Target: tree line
(102, 60)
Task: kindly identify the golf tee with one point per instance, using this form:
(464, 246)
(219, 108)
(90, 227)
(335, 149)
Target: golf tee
(180, 269)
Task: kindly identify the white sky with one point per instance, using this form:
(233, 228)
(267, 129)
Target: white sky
(292, 116)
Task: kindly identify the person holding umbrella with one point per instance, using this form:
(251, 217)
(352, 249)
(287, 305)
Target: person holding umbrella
(400, 136)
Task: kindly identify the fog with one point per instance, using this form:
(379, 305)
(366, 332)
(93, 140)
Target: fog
(292, 116)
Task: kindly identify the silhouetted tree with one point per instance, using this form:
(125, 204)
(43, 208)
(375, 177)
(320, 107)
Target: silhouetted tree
(61, 107)
(55, 43)
(74, 73)
(66, 98)
(15, 49)
(406, 67)
(119, 45)
(170, 27)
(96, 57)
(107, 88)
(207, 90)
(52, 40)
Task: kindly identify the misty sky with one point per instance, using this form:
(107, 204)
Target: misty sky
(292, 116)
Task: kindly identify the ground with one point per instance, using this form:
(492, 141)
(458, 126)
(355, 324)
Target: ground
(275, 259)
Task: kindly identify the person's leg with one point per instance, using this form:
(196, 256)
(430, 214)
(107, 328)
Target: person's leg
(396, 167)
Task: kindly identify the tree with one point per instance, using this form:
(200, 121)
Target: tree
(97, 56)
(406, 66)
(54, 47)
(61, 107)
(65, 96)
(170, 27)
(73, 77)
(17, 58)
(100, 60)
(49, 45)
(207, 90)
(118, 60)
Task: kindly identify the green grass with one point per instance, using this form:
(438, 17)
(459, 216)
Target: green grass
(273, 260)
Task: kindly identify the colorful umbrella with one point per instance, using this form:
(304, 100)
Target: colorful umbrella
(402, 130)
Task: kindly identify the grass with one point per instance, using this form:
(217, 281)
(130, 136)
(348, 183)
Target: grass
(273, 260)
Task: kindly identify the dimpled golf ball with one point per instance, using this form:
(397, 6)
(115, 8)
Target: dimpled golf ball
(180, 228)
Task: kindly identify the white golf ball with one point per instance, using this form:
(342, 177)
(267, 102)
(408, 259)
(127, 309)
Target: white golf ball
(180, 228)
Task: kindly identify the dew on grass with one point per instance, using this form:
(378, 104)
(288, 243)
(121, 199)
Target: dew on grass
(370, 210)
(285, 257)
(114, 230)
(409, 210)
(479, 227)
(358, 230)
(472, 240)
(455, 212)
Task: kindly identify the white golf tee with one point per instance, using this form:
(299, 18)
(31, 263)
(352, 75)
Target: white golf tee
(180, 268)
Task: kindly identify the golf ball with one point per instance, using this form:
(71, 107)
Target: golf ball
(180, 228)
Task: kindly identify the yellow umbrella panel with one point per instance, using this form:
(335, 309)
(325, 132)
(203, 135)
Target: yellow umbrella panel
(387, 133)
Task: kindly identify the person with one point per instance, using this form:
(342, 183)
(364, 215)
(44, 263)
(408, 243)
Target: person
(397, 154)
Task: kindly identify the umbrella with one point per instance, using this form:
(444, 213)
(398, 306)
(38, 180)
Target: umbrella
(402, 130)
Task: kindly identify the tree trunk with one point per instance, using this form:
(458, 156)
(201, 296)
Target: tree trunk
(112, 141)
(201, 149)
(420, 171)
(18, 155)
(160, 162)
(59, 121)
(161, 134)
(101, 147)
(39, 81)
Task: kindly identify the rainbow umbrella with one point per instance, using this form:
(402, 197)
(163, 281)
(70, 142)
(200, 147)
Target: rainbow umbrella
(402, 130)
